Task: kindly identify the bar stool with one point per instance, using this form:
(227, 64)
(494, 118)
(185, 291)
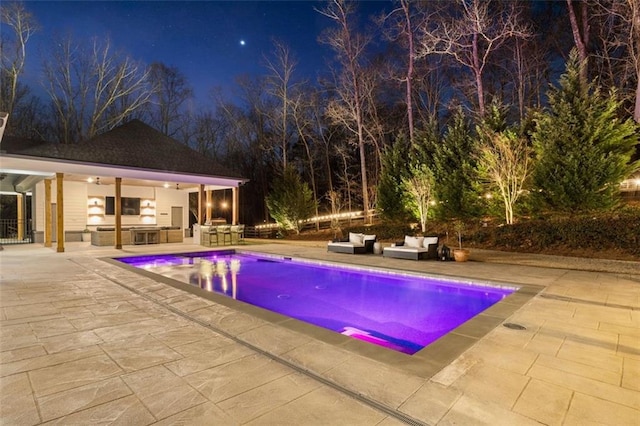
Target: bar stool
(213, 232)
(239, 231)
(224, 230)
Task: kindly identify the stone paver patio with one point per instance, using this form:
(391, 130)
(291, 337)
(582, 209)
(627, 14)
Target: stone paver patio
(83, 341)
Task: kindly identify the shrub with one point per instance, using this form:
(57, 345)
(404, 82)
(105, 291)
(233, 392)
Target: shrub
(618, 232)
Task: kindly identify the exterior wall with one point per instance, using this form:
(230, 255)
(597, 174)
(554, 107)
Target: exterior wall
(167, 198)
(80, 212)
(75, 205)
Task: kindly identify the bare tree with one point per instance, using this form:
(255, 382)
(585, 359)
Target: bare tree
(14, 52)
(92, 90)
(402, 29)
(345, 178)
(303, 121)
(335, 200)
(529, 71)
(470, 33)
(619, 55)
(280, 85)
(247, 138)
(170, 91)
(209, 135)
(634, 39)
(348, 108)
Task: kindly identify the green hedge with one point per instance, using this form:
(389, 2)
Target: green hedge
(602, 232)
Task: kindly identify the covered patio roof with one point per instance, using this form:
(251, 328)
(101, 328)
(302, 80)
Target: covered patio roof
(135, 152)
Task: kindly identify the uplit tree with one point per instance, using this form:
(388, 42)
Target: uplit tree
(419, 187)
(504, 159)
(583, 148)
(290, 200)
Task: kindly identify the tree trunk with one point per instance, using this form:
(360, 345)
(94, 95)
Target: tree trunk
(636, 110)
(405, 7)
(580, 39)
(477, 70)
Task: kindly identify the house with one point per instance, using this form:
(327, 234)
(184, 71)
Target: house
(132, 176)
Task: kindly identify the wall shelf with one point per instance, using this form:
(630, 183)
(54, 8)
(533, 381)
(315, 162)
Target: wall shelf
(95, 206)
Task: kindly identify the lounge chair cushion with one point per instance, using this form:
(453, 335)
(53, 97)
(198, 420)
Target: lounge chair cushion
(429, 240)
(414, 242)
(356, 238)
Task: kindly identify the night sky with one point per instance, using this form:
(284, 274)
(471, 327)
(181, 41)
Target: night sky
(210, 42)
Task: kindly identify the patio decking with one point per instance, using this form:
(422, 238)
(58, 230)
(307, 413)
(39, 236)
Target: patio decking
(84, 342)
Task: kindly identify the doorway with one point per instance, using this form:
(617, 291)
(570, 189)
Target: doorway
(176, 216)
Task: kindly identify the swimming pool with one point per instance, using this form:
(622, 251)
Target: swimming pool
(398, 311)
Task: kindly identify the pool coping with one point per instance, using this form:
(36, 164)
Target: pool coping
(424, 363)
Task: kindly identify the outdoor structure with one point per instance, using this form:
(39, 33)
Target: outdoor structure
(132, 182)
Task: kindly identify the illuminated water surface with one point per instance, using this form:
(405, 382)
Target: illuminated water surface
(397, 311)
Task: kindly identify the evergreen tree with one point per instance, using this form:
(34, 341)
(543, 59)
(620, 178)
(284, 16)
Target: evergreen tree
(454, 169)
(391, 206)
(290, 200)
(583, 148)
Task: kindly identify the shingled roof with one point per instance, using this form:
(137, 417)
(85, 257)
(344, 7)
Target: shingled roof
(134, 144)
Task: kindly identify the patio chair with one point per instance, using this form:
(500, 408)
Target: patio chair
(414, 248)
(355, 244)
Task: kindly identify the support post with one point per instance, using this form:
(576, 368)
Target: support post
(201, 205)
(209, 205)
(235, 207)
(47, 213)
(20, 205)
(118, 212)
(60, 212)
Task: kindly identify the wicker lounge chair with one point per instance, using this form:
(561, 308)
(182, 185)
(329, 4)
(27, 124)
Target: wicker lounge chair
(355, 244)
(414, 248)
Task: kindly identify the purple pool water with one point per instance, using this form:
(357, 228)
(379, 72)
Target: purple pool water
(400, 312)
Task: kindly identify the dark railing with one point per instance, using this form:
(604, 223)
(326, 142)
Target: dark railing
(13, 231)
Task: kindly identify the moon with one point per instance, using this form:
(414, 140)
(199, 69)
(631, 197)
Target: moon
(242, 42)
